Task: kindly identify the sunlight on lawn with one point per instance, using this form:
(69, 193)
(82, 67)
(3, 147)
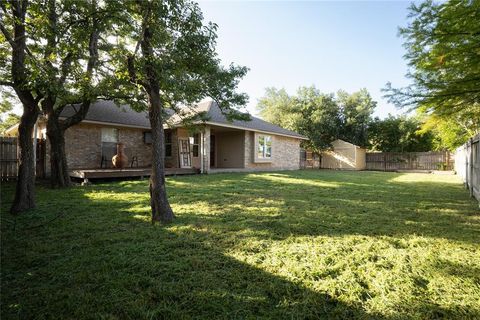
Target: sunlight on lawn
(306, 244)
(282, 178)
(427, 178)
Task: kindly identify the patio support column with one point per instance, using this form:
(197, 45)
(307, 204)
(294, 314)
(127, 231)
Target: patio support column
(206, 150)
(202, 144)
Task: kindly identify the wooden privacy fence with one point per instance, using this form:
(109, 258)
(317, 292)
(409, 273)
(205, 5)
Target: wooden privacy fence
(309, 160)
(8, 158)
(467, 165)
(392, 161)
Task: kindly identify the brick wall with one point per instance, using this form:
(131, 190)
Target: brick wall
(285, 153)
(135, 146)
(83, 146)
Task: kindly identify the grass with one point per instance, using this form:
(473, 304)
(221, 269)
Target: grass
(296, 245)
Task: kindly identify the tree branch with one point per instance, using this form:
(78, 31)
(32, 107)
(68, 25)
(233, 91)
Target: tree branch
(67, 61)
(6, 83)
(7, 35)
(132, 74)
(77, 117)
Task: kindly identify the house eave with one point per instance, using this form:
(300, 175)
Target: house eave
(254, 130)
(203, 122)
(113, 124)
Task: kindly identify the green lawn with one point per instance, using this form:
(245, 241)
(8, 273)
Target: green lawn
(285, 245)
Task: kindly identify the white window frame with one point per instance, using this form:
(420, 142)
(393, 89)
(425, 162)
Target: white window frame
(263, 157)
(109, 140)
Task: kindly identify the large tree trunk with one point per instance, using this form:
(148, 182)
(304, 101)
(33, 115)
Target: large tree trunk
(25, 189)
(59, 177)
(161, 210)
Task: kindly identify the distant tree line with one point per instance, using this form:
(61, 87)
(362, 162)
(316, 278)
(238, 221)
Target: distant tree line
(324, 118)
(319, 116)
(441, 42)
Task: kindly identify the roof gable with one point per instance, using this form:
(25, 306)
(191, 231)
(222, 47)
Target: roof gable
(215, 116)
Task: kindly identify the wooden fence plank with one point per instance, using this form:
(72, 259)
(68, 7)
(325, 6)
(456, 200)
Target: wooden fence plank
(309, 160)
(8, 158)
(392, 161)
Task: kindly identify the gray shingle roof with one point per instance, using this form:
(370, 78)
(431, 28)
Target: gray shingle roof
(256, 124)
(109, 112)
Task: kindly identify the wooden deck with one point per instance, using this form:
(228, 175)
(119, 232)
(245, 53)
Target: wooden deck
(87, 174)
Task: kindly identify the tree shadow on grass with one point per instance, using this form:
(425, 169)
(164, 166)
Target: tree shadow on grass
(103, 260)
(327, 205)
(312, 203)
(82, 267)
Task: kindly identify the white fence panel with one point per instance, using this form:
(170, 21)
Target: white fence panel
(467, 165)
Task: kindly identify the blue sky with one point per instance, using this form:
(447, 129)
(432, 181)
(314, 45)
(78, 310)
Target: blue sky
(333, 45)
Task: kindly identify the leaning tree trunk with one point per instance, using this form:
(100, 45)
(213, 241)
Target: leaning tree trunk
(25, 189)
(59, 177)
(161, 210)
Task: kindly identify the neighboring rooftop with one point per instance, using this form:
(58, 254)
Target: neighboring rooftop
(109, 112)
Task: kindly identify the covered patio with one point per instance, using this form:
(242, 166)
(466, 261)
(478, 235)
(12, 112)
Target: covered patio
(227, 149)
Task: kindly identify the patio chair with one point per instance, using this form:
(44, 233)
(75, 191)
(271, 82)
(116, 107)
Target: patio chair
(134, 161)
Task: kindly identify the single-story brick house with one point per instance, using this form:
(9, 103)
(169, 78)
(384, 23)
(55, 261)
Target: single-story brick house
(218, 145)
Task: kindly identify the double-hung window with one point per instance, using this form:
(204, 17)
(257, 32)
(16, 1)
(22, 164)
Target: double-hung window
(195, 144)
(264, 147)
(147, 138)
(109, 142)
(168, 143)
